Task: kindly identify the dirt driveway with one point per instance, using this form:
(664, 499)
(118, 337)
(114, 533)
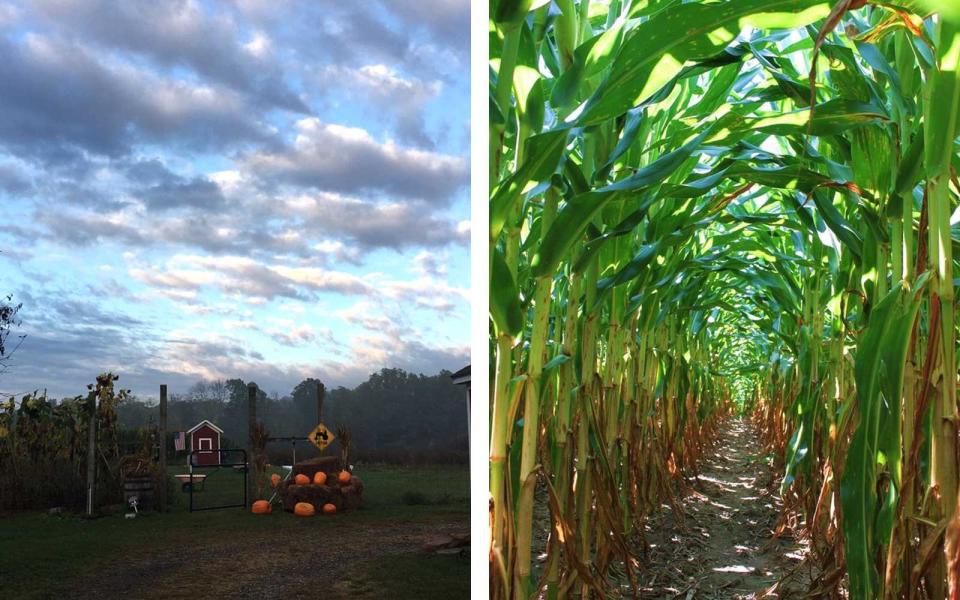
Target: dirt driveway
(270, 564)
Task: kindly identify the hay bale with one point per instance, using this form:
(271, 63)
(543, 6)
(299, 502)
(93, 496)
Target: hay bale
(344, 497)
(352, 494)
(328, 464)
(317, 495)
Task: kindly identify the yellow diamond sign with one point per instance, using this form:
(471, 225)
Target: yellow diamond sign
(321, 436)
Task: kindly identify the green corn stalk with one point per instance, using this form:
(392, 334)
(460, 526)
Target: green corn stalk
(942, 96)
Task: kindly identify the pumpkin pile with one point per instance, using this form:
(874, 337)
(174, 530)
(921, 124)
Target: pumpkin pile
(324, 485)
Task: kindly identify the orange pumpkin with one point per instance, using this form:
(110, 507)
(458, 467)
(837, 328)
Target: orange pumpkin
(329, 509)
(261, 507)
(304, 509)
(275, 480)
(344, 476)
(319, 478)
(301, 479)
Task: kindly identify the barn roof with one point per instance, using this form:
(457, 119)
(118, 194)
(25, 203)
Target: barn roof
(201, 424)
(462, 376)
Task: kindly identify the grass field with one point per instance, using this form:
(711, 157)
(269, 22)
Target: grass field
(370, 553)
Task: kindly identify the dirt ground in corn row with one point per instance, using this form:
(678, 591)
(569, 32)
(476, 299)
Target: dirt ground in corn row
(724, 548)
(265, 565)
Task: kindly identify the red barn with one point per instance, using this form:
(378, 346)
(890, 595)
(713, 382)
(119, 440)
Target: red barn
(205, 438)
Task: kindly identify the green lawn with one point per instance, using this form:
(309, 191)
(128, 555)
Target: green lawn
(408, 577)
(42, 556)
(385, 488)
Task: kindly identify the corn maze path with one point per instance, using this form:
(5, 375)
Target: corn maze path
(724, 546)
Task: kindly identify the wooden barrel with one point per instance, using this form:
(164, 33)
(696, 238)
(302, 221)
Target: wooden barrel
(142, 488)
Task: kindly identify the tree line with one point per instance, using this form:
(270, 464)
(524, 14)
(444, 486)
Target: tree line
(392, 412)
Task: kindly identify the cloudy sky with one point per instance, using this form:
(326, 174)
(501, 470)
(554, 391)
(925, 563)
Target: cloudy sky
(258, 189)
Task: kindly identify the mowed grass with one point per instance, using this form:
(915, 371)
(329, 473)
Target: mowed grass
(42, 555)
(408, 577)
(386, 489)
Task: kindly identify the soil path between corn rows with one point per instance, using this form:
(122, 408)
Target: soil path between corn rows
(724, 547)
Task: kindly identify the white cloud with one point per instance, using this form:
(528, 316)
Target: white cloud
(400, 101)
(260, 46)
(294, 336)
(428, 263)
(255, 281)
(336, 158)
(369, 316)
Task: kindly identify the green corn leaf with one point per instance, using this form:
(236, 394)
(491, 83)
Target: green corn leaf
(504, 299)
(655, 51)
(573, 218)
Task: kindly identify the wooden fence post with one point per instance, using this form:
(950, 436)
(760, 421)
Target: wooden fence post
(91, 453)
(251, 423)
(320, 393)
(162, 492)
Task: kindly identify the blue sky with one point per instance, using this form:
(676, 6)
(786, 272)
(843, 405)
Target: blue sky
(257, 189)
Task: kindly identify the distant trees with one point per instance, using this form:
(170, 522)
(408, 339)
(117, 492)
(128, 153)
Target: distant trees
(216, 390)
(393, 411)
(305, 397)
